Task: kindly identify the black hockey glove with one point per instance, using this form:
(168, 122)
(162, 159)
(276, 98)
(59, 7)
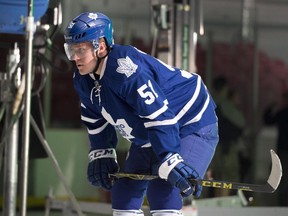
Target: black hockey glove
(102, 162)
(174, 170)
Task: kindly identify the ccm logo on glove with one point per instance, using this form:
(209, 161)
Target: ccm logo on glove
(102, 162)
(174, 170)
(166, 167)
(102, 153)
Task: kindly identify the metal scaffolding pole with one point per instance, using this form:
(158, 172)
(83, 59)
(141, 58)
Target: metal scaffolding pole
(182, 21)
(11, 145)
(30, 28)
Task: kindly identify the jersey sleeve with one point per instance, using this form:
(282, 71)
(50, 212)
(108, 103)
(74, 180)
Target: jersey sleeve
(101, 134)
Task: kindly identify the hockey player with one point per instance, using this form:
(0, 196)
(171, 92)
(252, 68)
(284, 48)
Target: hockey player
(166, 113)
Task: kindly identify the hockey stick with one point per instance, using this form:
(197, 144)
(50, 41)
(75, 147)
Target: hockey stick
(269, 187)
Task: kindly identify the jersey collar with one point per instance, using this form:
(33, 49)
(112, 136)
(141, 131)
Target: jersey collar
(103, 67)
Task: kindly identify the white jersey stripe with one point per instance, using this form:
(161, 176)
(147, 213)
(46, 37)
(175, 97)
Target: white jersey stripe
(192, 100)
(90, 120)
(158, 112)
(98, 130)
(199, 115)
(82, 105)
(159, 123)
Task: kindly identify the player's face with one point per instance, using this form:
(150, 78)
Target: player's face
(84, 57)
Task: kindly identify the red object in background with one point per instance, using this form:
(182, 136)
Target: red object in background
(236, 63)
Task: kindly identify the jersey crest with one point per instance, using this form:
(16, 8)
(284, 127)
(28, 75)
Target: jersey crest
(126, 66)
(120, 125)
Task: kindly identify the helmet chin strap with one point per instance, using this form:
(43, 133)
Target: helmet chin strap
(99, 59)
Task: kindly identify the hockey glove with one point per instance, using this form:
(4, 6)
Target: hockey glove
(102, 162)
(174, 170)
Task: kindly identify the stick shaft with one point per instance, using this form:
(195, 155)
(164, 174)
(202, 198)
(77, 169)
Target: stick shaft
(269, 187)
(265, 188)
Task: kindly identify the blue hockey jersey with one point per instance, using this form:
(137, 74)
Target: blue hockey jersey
(144, 99)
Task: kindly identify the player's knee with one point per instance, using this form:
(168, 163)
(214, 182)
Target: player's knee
(166, 212)
(117, 212)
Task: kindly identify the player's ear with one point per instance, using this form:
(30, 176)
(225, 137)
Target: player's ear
(102, 45)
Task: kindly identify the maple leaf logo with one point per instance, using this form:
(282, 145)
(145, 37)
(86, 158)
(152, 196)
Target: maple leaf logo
(93, 16)
(126, 66)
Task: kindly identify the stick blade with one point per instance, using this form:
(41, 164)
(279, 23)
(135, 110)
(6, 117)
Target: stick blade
(276, 171)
